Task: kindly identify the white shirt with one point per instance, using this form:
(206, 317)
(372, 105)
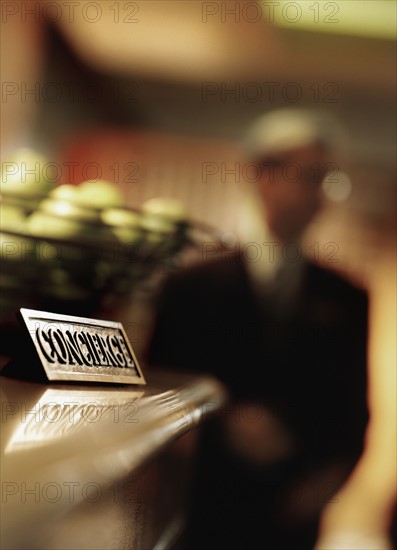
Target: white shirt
(275, 268)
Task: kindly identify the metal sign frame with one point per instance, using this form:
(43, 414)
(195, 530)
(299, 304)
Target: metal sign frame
(82, 349)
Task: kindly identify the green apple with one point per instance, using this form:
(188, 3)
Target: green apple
(121, 217)
(60, 219)
(125, 224)
(26, 172)
(66, 192)
(12, 217)
(159, 217)
(170, 209)
(67, 209)
(162, 218)
(100, 194)
(156, 226)
(43, 224)
(93, 227)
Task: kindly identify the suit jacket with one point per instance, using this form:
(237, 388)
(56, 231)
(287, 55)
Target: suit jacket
(308, 365)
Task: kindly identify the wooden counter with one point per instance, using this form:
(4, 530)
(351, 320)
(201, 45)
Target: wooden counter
(100, 466)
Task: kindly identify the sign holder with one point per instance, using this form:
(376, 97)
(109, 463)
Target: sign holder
(74, 349)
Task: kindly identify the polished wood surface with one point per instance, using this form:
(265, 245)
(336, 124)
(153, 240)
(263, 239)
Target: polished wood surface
(96, 466)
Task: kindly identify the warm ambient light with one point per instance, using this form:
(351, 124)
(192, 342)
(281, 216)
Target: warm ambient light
(351, 17)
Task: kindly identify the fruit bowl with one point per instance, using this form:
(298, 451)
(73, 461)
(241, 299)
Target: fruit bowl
(79, 249)
(60, 254)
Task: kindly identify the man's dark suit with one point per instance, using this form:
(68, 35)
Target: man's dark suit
(308, 366)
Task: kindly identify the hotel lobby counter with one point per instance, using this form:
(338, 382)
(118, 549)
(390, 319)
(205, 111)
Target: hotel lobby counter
(87, 466)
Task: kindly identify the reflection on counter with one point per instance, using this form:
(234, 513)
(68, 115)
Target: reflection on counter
(60, 413)
(108, 467)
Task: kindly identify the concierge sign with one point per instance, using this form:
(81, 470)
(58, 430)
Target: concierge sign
(80, 349)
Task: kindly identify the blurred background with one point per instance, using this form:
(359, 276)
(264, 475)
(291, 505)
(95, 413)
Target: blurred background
(154, 97)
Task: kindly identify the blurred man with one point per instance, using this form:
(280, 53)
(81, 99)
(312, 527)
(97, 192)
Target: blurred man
(288, 339)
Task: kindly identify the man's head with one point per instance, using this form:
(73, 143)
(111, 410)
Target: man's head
(294, 150)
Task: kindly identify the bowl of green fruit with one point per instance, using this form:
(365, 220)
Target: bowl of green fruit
(78, 248)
